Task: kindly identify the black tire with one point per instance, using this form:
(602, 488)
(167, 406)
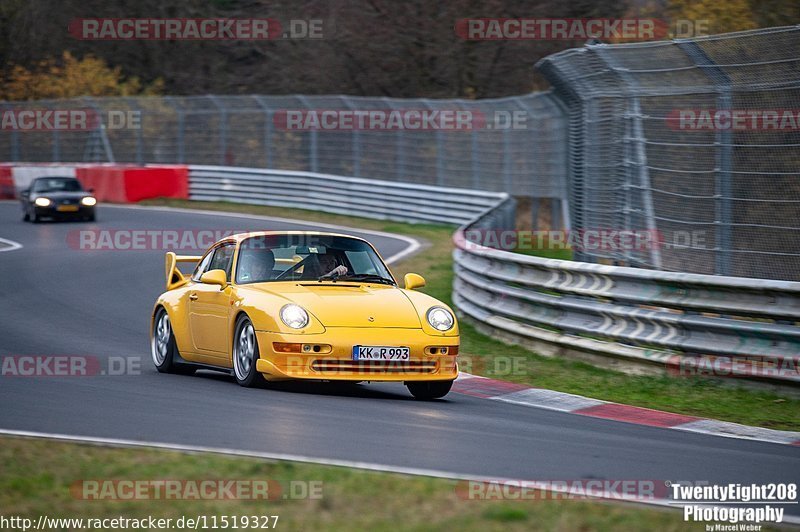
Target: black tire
(34, 217)
(91, 218)
(245, 353)
(427, 390)
(25, 216)
(163, 348)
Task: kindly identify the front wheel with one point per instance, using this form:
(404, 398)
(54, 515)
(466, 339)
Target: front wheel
(427, 390)
(163, 347)
(245, 354)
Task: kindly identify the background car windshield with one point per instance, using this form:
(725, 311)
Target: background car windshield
(305, 257)
(57, 185)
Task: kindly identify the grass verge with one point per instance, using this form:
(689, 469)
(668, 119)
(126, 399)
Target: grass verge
(42, 477)
(691, 396)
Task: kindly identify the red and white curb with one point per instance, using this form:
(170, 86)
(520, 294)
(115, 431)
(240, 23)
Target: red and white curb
(521, 394)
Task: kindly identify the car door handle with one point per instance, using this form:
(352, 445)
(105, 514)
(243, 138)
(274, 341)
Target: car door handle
(193, 297)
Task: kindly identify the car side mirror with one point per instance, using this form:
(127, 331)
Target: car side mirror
(413, 280)
(90, 190)
(215, 277)
(25, 192)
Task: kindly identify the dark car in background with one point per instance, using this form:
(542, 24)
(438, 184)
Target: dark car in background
(57, 198)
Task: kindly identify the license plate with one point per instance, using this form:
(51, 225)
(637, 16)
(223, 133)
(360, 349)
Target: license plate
(380, 352)
(67, 208)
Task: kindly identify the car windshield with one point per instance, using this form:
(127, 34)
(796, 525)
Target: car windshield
(274, 258)
(57, 184)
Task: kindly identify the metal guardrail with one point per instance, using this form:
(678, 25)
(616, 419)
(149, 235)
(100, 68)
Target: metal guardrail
(385, 200)
(630, 318)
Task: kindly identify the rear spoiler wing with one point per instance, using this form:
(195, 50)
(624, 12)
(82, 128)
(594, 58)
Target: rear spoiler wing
(174, 276)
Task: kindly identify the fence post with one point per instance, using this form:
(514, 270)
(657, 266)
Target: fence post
(223, 129)
(572, 103)
(355, 141)
(139, 131)
(179, 133)
(312, 140)
(638, 151)
(267, 130)
(439, 150)
(723, 160)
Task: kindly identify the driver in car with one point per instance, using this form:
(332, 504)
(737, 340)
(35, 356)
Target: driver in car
(256, 265)
(328, 265)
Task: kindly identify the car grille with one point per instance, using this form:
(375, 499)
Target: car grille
(373, 366)
(68, 201)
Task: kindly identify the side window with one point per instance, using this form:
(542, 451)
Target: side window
(222, 259)
(202, 266)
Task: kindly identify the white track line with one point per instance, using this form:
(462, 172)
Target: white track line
(11, 245)
(413, 244)
(415, 471)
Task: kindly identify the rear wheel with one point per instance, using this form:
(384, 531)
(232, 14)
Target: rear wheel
(427, 390)
(245, 354)
(163, 347)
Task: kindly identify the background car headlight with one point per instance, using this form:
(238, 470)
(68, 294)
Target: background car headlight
(88, 201)
(294, 316)
(42, 202)
(440, 319)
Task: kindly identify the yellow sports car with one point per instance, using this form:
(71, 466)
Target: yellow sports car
(302, 305)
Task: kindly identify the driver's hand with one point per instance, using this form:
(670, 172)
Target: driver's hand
(338, 271)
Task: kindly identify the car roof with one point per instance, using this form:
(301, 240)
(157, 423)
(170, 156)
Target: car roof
(238, 237)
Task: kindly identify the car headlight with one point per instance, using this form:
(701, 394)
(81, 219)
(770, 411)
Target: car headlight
(440, 319)
(89, 201)
(294, 316)
(42, 202)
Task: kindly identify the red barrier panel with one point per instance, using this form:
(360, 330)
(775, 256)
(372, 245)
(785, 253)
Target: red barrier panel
(126, 184)
(106, 182)
(157, 182)
(7, 183)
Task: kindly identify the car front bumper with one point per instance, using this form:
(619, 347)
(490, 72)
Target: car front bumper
(334, 360)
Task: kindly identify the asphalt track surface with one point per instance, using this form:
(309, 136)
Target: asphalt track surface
(57, 300)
